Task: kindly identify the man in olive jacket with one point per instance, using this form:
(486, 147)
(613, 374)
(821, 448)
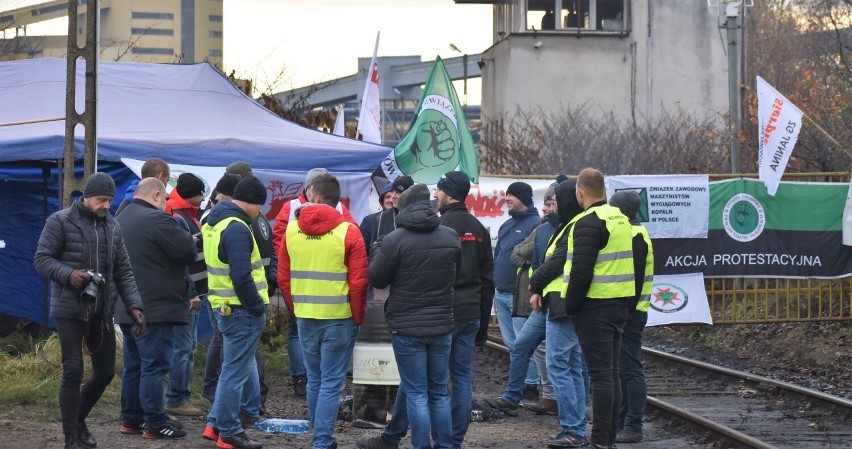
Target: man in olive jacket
(160, 251)
(77, 240)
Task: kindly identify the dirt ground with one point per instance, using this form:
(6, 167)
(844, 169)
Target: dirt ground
(35, 427)
(815, 355)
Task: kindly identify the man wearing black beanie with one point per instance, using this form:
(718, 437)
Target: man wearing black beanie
(238, 292)
(473, 293)
(523, 219)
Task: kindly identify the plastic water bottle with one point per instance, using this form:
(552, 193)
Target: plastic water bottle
(277, 425)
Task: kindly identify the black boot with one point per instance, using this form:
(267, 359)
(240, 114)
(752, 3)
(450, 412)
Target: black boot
(72, 442)
(85, 437)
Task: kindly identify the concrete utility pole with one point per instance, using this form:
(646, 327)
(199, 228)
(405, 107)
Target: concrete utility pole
(732, 12)
(89, 53)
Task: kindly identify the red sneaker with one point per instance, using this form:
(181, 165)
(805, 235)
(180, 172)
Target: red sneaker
(210, 433)
(223, 445)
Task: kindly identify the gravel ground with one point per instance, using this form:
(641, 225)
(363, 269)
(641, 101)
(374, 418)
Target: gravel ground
(35, 427)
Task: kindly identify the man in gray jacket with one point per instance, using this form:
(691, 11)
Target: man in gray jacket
(81, 251)
(160, 251)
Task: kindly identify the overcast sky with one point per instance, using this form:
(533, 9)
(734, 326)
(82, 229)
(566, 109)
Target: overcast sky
(316, 40)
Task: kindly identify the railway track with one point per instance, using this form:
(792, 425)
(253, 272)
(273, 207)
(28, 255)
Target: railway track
(737, 409)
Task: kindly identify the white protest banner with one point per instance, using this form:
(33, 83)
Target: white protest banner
(673, 206)
(679, 299)
(487, 200)
(283, 186)
(779, 122)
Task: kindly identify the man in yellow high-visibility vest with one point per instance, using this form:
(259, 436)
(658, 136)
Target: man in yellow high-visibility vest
(322, 271)
(238, 295)
(633, 388)
(598, 282)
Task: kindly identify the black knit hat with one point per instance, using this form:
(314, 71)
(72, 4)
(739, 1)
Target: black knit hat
(418, 193)
(189, 186)
(99, 184)
(521, 191)
(455, 184)
(250, 190)
(402, 183)
(226, 185)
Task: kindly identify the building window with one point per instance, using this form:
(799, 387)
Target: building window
(574, 15)
(152, 51)
(215, 53)
(153, 15)
(216, 34)
(215, 18)
(153, 31)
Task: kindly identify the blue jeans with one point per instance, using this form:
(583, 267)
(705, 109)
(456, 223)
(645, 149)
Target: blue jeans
(565, 367)
(423, 366)
(528, 339)
(327, 348)
(146, 363)
(510, 326)
(294, 349)
(634, 391)
(239, 384)
(461, 377)
(184, 344)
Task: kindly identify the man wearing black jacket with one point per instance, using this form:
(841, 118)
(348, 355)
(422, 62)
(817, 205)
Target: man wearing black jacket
(473, 293)
(159, 250)
(598, 284)
(419, 261)
(76, 242)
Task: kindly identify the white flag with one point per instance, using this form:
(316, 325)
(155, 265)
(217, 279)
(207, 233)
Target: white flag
(339, 123)
(679, 299)
(370, 118)
(779, 122)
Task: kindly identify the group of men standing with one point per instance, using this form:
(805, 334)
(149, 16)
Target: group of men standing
(587, 267)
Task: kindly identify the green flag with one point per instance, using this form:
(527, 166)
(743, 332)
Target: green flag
(439, 141)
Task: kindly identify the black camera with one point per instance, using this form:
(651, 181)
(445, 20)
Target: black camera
(90, 291)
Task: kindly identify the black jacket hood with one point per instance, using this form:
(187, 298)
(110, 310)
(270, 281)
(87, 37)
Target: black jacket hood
(566, 200)
(418, 217)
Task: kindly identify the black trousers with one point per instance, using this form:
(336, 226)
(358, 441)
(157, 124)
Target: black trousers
(599, 327)
(76, 403)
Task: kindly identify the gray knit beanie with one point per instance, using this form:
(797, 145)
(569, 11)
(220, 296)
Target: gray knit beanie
(99, 184)
(418, 193)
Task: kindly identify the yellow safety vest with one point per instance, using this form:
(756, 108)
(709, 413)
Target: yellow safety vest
(648, 283)
(319, 276)
(613, 270)
(220, 286)
(556, 284)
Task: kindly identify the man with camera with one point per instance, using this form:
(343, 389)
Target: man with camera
(160, 251)
(82, 247)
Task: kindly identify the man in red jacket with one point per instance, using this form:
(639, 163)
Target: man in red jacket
(285, 215)
(322, 271)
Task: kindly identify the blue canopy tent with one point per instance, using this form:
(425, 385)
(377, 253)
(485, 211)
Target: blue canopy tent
(184, 114)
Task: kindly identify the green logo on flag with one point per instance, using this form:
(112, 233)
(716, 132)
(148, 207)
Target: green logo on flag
(433, 150)
(743, 217)
(439, 140)
(668, 298)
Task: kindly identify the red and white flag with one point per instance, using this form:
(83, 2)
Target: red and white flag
(370, 118)
(779, 122)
